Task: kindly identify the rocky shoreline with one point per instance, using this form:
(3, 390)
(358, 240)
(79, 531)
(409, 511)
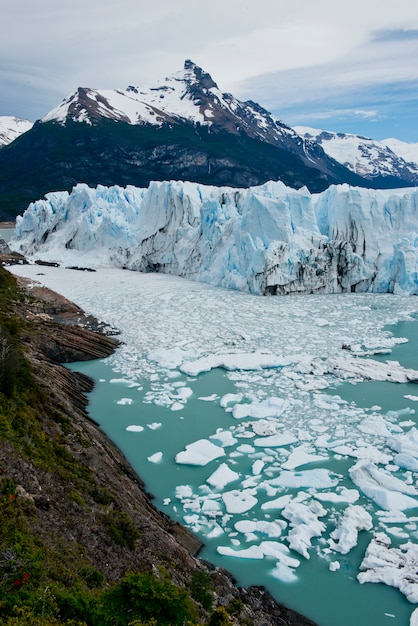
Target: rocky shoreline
(61, 333)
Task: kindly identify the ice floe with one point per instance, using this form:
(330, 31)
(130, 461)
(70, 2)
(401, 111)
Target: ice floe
(200, 452)
(396, 567)
(222, 476)
(355, 519)
(386, 490)
(135, 428)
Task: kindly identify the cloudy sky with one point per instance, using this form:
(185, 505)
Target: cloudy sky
(345, 65)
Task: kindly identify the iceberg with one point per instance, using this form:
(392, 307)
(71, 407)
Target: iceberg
(269, 239)
(389, 492)
(395, 567)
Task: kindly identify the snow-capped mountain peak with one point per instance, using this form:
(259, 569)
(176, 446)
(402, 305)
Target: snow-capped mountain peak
(190, 95)
(11, 127)
(367, 157)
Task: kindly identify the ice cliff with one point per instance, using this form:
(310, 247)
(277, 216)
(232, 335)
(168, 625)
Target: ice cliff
(269, 239)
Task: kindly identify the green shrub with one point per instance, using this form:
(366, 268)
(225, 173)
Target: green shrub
(145, 597)
(122, 529)
(201, 589)
(219, 617)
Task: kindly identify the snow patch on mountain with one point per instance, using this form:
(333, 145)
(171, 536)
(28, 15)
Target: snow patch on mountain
(408, 151)
(269, 239)
(11, 127)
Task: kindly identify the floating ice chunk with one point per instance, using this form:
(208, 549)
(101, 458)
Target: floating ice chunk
(183, 393)
(414, 399)
(272, 407)
(154, 425)
(211, 508)
(135, 428)
(155, 458)
(302, 455)
(123, 401)
(284, 573)
(211, 398)
(271, 529)
(257, 467)
(222, 476)
(322, 401)
(122, 381)
(379, 485)
(376, 425)
(275, 441)
(199, 452)
(396, 567)
(304, 519)
(319, 478)
(413, 620)
(216, 531)
(373, 454)
(171, 358)
(406, 461)
(237, 501)
(266, 548)
(355, 518)
(334, 566)
(265, 427)
(406, 443)
(344, 495)
(398, 532)
(368, 369)
(183, 492)
(177, 406)
(245, 448)
(277, 504)
(234, 361)
(224, 438)
(230, 398)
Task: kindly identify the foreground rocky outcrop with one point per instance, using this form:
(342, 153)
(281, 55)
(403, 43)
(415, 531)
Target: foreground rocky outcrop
(90, 507)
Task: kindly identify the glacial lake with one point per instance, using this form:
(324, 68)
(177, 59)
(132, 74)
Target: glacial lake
(152, 410)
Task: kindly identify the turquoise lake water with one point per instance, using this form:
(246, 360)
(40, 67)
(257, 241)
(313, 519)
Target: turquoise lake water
(329, 598)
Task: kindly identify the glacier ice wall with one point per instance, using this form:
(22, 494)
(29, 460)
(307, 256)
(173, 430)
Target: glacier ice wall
(269, 239)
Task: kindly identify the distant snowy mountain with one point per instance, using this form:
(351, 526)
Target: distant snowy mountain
(407, 151)
(268, 239)
(12, 127)
(389, 159)
(183, 128)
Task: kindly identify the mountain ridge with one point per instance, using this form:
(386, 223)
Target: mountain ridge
(184, 128)
(367, 157)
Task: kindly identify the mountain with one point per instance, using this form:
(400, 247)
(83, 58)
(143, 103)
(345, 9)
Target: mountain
(11, 128)
(389, 163)
(269, 239)
(407, 151)
(183, 128)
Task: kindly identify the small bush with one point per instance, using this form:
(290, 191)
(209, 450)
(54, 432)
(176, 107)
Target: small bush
(146, 597)
(219, 618)
(122, 529)
(201, 589)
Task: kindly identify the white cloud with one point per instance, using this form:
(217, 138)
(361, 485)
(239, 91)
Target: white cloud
(273, 51)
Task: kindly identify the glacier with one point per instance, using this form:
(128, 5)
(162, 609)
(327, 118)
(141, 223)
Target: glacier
(269, 239)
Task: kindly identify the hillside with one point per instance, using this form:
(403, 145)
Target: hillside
(81, 542)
